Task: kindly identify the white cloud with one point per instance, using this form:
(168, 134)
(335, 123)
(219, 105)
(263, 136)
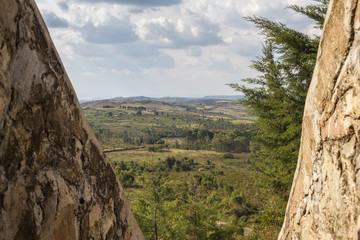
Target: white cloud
(161, 47)
(53, 21)
(143, 3)
(178, 32)
(194, 51)
(79, 15)
(67, 36)
(116, 32)
(65, 40)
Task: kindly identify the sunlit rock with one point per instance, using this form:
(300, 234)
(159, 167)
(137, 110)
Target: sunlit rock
(324, 201)
(54, 180)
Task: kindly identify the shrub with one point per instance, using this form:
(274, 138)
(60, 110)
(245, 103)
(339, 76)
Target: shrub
(228, 155)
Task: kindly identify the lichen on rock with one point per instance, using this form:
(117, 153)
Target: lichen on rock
(54, 180)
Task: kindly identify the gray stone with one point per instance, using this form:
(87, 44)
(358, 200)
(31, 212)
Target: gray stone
(54, 180)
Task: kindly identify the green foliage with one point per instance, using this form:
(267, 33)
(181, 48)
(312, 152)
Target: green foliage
(277, 99)
(185, 164)
(150, 208)
(236, 141)
(191, 200)
(107, 106)
(228, 155)
(139, 112)
(191, 212)
(157, 146)
(170, 162)
(108, 129)
(316, 12)
(140, 123)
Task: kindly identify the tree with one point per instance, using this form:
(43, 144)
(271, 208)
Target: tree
(235, 141)
(150, 210)
(277, 97)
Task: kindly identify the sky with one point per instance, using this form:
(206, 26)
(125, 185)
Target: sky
(158, 48)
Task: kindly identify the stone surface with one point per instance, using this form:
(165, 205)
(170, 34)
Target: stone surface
(54, 180)
(324, 200)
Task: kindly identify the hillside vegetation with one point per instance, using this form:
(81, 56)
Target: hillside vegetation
(197, 124)
(192, 178)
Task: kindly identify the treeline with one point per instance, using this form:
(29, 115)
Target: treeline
(218, 135)
(141, 108)
(191, 139)
(236, 141)
(111, 139)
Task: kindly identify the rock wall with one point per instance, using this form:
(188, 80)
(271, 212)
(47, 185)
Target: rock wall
(54, 180)
(324, 200)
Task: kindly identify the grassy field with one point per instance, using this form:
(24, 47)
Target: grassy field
(235, 170)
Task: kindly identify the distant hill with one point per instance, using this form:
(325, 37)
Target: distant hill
(224, 97)
(171, 99)
(218, 108)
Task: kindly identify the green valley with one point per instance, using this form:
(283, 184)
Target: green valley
(185, 165)
(124, 123)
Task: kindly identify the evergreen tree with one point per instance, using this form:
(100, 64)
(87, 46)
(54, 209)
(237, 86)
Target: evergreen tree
(277, 98)
(150, 210)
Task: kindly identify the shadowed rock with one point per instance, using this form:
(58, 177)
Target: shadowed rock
(324, 200)
(54, 180)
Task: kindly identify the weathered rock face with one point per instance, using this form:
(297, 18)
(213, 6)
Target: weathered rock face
(324, 201)
(54, 180)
